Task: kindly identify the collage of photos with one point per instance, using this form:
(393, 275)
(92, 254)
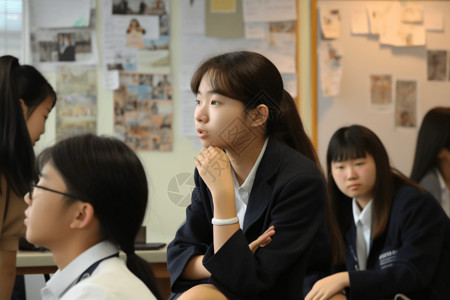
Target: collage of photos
(143, 111)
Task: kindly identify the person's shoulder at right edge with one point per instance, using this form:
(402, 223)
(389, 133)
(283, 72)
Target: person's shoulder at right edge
(419, 207)
(420, 230)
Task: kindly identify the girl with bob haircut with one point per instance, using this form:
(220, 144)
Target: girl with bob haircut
(258, 173)
(26, 99)
(90, 202)
(388, 236)
(431, 168)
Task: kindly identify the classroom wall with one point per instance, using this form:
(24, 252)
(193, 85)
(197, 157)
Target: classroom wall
(163, 216)
(363, 55)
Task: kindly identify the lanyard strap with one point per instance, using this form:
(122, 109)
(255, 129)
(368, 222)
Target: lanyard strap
(94, 266)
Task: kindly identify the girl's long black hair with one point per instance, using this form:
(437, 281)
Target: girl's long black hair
(353, 142)
(17, 159)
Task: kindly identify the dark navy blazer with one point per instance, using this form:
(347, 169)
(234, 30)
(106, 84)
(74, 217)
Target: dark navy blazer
(412, 257)
(289, 193)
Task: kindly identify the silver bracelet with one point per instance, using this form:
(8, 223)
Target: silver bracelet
(231, 221)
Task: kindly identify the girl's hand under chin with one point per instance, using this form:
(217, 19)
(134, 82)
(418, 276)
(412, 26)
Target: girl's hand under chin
(214, 167)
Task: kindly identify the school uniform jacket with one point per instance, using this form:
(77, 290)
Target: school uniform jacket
(412, 257)
(289, 193)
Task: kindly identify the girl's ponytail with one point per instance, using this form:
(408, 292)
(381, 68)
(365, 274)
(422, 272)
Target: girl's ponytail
(285, 124)
(16, 150)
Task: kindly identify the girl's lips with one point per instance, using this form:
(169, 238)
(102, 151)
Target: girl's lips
(354, 186)
(202, 133)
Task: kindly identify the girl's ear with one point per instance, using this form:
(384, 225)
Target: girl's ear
(259, 115)
(443, 154)
(83, 215)
(24, 108)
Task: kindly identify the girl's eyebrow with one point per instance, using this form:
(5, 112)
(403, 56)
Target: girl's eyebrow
(212, 91)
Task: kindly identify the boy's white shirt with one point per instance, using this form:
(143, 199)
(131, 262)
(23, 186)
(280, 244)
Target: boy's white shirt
(110, 280)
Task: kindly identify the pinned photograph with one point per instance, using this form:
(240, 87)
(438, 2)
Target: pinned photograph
(381, 93)
(139, 7)
(436, 65)
(406, 103)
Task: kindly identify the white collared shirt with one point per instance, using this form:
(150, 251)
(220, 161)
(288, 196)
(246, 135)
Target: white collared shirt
(242, 193)
(111, 277)
(365, 217)
(445, 194)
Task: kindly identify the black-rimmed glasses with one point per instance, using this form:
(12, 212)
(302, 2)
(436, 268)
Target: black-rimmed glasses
(50, 190)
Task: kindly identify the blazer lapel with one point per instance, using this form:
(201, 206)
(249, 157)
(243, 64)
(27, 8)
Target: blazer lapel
(260, 195)
(351, 242)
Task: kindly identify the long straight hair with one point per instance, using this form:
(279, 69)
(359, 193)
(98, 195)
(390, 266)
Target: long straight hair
(354, 142)
(19, 82)
(434, 135)
(106, 173)
(253, 79)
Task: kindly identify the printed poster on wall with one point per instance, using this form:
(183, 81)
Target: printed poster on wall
(76, 108)
(380, 90)
(406, 99)
(143, 111)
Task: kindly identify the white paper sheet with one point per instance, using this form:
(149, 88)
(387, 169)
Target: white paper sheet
(403, 35)
(193, 17)
(377, 12)
(396, 33)
(256, 30)
(330, 22)
(434, 20)
(411, 13)
(269, 10)
(111, 79)
(330, 68)
(60, 14)
(359, 22)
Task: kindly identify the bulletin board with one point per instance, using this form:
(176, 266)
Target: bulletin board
(361, 57)
(210, 28)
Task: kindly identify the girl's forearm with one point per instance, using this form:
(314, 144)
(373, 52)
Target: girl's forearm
(195, 270)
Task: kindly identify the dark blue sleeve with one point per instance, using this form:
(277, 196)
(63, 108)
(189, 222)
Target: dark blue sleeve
(298, 213)
(192, 238)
